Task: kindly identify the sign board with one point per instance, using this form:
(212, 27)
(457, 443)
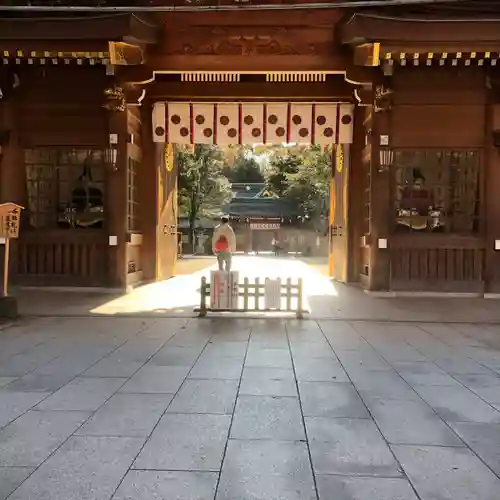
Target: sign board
(224, 290)
(266, 226)
(272, 293)
(10, 217)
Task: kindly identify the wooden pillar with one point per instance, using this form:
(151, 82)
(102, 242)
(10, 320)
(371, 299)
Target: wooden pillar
(116, 204)
(380, 195)
(491, 210)
(12, 174)
(249, 237)
(167, 211)
(357, 181)
(147, 180)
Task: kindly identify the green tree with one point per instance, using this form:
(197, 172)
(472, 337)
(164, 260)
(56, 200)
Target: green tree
(203, 188)
(241, 166)
(301, 174)
(309, 187)
(281, 167)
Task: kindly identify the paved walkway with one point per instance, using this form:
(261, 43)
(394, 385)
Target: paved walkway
(178, 297)
(187, 409)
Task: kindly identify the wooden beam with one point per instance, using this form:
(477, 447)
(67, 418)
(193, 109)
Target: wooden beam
(259, 63)
(262, 90)
(367, 54)
(26, 47)
(365, 28)
(125, 54)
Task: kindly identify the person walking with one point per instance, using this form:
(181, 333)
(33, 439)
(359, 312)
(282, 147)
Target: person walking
(224, 243)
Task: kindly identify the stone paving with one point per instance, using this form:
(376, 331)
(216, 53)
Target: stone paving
(187, 409)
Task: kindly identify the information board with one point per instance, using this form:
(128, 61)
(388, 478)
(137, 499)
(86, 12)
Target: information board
(272, 293)
(224, 289)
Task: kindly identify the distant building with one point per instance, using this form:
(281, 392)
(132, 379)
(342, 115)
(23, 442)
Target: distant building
(258, 215)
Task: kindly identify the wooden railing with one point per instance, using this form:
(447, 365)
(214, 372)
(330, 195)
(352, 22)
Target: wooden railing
(61, 258)
(445, 264)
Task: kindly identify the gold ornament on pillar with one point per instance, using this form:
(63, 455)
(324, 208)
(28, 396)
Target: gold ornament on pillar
(169, 157)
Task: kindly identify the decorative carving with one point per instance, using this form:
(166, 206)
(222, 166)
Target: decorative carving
(248, 41)
(383, 98)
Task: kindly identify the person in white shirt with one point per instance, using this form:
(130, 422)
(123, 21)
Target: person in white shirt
(224, 243)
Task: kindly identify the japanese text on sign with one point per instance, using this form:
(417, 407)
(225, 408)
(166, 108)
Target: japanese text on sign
(10, 217)
(264, 225)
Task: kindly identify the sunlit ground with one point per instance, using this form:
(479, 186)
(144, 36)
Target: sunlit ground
(181, 293)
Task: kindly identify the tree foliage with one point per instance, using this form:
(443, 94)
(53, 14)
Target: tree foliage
(203, 188)
(302, 175)
(241, 165)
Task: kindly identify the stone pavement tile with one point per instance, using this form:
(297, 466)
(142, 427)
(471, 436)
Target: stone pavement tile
(84, 468)
(184, 339)
(274, 358)
(267, 417)
(178, 485)
(362, 359)
(392, 351)
(217, 368)
(439, 473)
(68, 365)
(268, 341)
(486, 387)
(6, 381)
(29, 440)
(458, 404)
(266, 470)
(410, 422)
(456, 365)
(235, 336)
(186, 442)
(25, 362)
(127, 415)
(330, 400)
(382, 384)
(363, 488)
(205, 396)
(139, 349)
(319, 370)
(37, 382)
(349, 447)
(257, 373)
(14, 404)
(171, 355)
(156, 379)
(423, 373)
(84, 394)
(229, 349)
(449, 334)
(267, 387)
(113, 366)
(484, 441)
(11, 478)
(312, 350)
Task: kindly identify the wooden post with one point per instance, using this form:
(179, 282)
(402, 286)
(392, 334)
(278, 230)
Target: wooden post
(380, 206)
(6, 267)
(300, 297)
(203, 298)
(10, 217)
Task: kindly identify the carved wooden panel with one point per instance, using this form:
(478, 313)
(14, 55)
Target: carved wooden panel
(250, 41)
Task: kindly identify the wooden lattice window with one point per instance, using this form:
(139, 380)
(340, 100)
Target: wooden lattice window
(436, 191)
(132, 196)
(66, 188)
